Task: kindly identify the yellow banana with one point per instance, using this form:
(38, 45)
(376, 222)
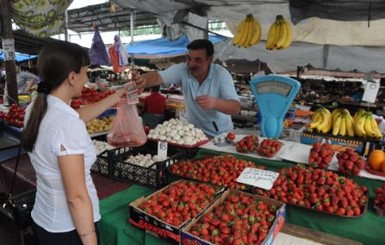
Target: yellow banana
(316, 119)
(282, 34)
(342, 131)
(326, 123)
(336, 125)
(336, 112)
(358, 113)
(346, 111)
(358, 125)
(376, 128)
(256, 37)
(316, 116)
(240, 32)
(289, 37)
(349, 125)
(279, 31)
(245, 34)
(250, 32)
(271, 36)
(368, 126)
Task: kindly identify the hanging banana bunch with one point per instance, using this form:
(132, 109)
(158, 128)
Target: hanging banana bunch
(248, 32)
(280, 34)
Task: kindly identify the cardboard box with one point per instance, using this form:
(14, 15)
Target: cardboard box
(155, 226)
(188, 238)
(338, 143)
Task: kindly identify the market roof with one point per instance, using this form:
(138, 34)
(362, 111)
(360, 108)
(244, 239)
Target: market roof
(107, 18)
(115, 14)
(28, 44)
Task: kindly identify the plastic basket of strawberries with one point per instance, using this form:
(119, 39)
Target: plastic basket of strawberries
(350, 162)
(379, 200)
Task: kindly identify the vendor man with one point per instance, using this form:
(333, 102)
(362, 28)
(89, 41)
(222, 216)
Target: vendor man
(208, 88)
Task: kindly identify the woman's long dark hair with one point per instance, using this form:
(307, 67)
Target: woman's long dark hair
(55, 61)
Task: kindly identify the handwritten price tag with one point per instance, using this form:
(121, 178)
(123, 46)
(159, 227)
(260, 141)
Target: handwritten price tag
(162, 149)
(256, 177)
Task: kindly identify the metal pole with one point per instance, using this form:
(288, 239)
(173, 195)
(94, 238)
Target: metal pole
(66, 26)
(9, 51)
(132, 26)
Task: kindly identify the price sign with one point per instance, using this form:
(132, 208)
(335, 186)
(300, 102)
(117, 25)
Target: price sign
(256, 177)
(371, 91)
(9, 49)
(162, 149)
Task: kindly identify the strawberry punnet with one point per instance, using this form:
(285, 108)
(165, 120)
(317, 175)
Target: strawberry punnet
(321, 154)
(247, 144)
(350, 162)
(269, 147)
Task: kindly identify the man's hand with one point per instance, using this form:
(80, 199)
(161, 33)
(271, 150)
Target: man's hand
(140, 82)
(206, 102)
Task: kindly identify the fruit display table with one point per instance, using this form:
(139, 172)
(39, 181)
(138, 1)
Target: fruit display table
(115, 228)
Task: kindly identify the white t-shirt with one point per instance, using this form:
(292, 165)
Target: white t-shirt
(61, 125)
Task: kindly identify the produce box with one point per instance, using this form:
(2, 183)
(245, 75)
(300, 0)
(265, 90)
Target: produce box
(258, 233)
(112, 164)
(338, 143)
(319, 190)
(154, 221)
(220, 170)
(105, 160)
(153, 175)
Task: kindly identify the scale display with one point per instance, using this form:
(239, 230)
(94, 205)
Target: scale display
(273, 87)
(273, 95)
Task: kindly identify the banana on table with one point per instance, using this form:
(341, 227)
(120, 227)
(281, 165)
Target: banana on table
(340, 123)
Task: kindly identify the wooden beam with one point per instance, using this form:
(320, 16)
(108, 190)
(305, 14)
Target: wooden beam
(8, 43)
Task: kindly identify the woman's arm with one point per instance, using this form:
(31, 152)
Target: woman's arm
(79, 202)
(91, 111)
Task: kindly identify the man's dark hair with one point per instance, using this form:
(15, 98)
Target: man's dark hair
(202, 44)
(155, 88)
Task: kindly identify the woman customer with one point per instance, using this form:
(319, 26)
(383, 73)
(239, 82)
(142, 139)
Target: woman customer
(66, 209)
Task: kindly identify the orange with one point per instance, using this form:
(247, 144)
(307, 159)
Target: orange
(383, 167)
(376, 159)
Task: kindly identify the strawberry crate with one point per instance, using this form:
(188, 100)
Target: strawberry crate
(165, 227)
(153, 175)
(193, 232)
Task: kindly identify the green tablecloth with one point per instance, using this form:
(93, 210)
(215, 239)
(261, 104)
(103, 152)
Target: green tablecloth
(368, 229)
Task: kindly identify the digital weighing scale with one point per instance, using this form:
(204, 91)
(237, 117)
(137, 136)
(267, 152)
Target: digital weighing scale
(274, 95)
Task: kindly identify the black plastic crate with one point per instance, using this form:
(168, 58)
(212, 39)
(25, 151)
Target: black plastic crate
(152, 146)
(154, 176)
(104, 164)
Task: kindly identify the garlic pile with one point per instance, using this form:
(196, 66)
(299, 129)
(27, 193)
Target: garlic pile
(101, 146)
(178, 132)
(144, 160)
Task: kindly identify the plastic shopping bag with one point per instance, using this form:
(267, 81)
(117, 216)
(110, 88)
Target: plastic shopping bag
(127, 129)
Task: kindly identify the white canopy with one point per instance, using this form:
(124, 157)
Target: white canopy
(342, 35)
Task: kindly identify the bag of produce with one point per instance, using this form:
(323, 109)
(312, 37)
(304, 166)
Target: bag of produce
(127, 129)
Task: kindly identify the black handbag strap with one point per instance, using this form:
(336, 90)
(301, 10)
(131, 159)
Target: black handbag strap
(11, 189)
